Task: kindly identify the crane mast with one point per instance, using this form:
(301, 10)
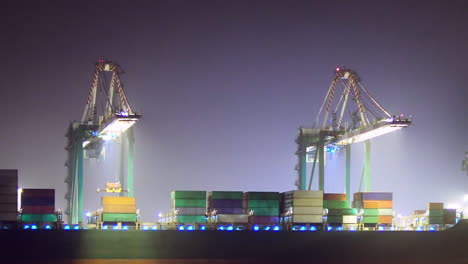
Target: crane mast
(330, 132)
(86, 137)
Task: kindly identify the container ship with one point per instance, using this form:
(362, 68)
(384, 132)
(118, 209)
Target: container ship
(230, 227)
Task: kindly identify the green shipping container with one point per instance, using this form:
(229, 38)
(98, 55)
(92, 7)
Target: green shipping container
(188, 203)
(227, 195)
(334, 219)
(436, 220)
(335, 212)
(263, 195)
(371, 219)
(265, 211)
(38, 218)
(335, 204)
(188, 195)
(191, 219)
(436, 212)
(116, 217)
(350, 211)
(263, 203)
(371, 212)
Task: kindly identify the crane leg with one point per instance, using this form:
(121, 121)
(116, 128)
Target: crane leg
(348, 172)
(79, 169)
(313, 169)
(122, 165)
(367, 164)
(130, 162)
(321, 152)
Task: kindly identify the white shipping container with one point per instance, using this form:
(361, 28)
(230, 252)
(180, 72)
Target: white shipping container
(350, 219)
(304, 194)
(190, 210)
(385, 211)
(312, 210)
(307, 219)
(233, 218)
(304, 202)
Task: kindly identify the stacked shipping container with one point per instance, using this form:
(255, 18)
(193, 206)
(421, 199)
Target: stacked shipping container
(118, 209)
(375, 207)
(8, 195)
(304, 207)
(437, 215)
(337, 208)
(189, 206)
(227, 207)
(38, 205)
(264, 206)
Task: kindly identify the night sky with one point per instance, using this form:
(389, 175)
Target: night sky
(224, 85)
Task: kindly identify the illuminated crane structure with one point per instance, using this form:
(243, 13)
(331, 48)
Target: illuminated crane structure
(114, 121)
(465, 163)
(331, 131)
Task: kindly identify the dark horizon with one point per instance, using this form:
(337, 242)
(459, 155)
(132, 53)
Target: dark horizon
(224, 86)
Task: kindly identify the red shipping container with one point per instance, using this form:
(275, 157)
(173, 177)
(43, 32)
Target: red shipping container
(38, 193)
(40, 209)
(334, 196)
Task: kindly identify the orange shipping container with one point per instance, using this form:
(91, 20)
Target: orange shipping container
(374, 204)
(435, 206)
(118, 200)
(334, 196)
(385, 219)
(117, 208)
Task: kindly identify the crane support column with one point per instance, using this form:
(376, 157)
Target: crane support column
(321, 152)
(122, 165)
(348, 172)
(130, 164)
(367, 165)
(79, 173)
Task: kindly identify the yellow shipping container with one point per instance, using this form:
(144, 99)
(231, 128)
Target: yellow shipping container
(119, 208)
(118, 200)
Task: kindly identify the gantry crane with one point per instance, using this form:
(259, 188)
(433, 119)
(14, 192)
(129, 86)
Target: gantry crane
(332, 131)
(114, 120)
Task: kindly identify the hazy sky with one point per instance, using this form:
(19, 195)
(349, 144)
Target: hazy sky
(224, 85)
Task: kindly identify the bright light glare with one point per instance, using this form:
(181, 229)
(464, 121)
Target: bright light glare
(66, 227)
(26, 227)
(190, 228)
(256, 228)
(145, 228)
(76, 227)
(202, 227)
(302, 228)
(181, 228)
(125, 227)
(329, 228)
(154, 228)
(118, 126)
(267, 228)
(115, 227)
(220, 228)
(34, 227)
(276, 228)
(454, 206)
(47, 227)
(368, 132)
(313, 228)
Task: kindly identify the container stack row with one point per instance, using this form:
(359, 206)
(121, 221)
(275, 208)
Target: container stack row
(8, 195)
(188, 206)
(118, 209)
(338, 209)
(438, 215)
(302, 207)
(263, 206)
(226, 207)
(38, 205)
(375, 207)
